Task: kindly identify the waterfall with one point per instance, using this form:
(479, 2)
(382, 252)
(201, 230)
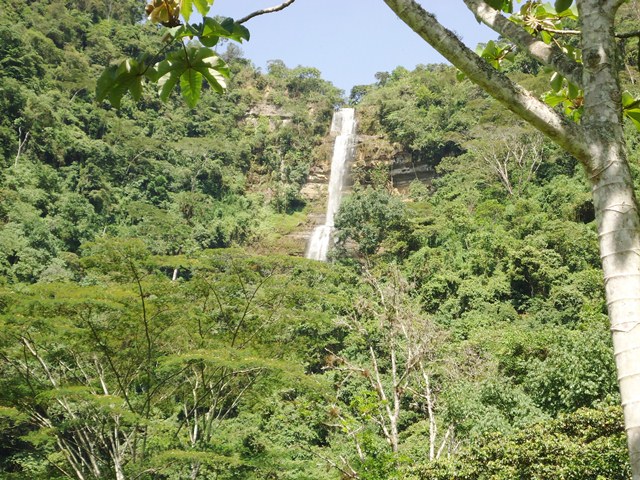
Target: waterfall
(344, 124)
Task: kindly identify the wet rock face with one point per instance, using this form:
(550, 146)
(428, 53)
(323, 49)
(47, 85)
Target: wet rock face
(404, 170)
(317, 185)
(376, 153)
(315, 189)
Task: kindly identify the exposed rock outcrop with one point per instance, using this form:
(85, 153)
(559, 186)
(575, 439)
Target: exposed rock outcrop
(376, 153)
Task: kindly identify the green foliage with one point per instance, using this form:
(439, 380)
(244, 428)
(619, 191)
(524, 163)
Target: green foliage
(562, 5)
(630, 108)
(123, 309)
(120, 79)
(547, 22)
(504, 5)
(495, 54)
(156, 358)
(507, 262)
(187, 65)
(370, 218)
(183, 180)
(190, 69)
(588, 444)
(423, 110)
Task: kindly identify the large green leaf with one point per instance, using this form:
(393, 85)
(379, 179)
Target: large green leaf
(504, 5)
(570, 13)
(186, 7)
(203, 6)
(554, 100)
(215, 71)
(169, 72)
(631, 108)
(117, 80)
(236, 31)
(573, 91)
(562, 5)
(629, 101)
(190, 86)
(546, 37)
(556, 81)
(495, 54)
(183, 31)
(634, 115)
(211, 31)
(189, 67)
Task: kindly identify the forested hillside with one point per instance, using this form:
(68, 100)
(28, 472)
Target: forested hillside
(157, 321)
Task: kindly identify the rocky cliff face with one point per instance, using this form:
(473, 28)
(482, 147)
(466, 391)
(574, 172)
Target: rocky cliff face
(404, 170)
(315, 191)
(316, 188)
(377, 156)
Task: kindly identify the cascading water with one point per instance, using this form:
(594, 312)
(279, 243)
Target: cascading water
(344, 124)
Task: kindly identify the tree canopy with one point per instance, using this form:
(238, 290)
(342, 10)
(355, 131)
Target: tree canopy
(156, 321)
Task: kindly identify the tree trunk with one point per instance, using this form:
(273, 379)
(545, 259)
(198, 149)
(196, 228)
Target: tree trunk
(616, 207)
(619, 235)
(598, 144)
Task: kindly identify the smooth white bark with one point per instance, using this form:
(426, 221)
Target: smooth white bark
(549, 55)
(599, 145)
(615, 205)
(517, 99)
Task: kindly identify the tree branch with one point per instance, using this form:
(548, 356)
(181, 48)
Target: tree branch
(567, 134)
(549, 55)
(351, 473)
(635, 33)
(560, 31)
(264, 11)
(614, 4)
(21, 143)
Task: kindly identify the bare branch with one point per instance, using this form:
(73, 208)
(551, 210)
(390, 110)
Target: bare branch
(635, 33)
(549, 55)
(444, 441)
(21, 143)
(523, 103)
(264, 11)
(561, 31)
(32, 348)
(351, 473)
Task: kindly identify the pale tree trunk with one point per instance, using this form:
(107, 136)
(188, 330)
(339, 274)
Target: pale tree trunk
(598, 143)
(616, 207)
(21, 143)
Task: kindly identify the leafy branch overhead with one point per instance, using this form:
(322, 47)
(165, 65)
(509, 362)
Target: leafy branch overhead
(507, 5)
(186, 58)
(547, 32)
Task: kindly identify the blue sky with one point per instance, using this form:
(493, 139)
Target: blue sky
(347, 40)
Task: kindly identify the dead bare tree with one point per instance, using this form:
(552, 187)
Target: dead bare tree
(22, 141)
(401, 357)
(512, 156)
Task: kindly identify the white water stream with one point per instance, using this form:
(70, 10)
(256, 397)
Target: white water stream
(344, 124)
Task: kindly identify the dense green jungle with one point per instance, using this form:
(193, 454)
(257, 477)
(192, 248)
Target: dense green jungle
(158, 321)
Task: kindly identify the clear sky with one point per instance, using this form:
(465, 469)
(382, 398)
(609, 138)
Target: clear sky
(347, 40)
